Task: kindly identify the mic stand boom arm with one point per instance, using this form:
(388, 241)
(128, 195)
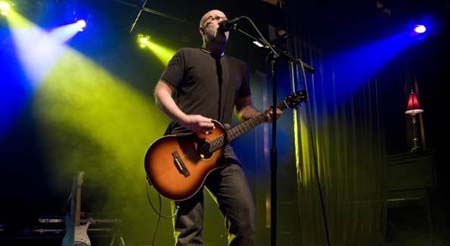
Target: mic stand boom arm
(276, 51)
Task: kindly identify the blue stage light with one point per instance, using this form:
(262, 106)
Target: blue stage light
(81, 25)
(419, 29)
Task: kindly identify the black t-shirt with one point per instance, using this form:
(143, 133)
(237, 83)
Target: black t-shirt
(206, 84)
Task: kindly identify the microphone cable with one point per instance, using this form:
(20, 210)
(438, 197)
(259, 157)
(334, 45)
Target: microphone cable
(158, 212)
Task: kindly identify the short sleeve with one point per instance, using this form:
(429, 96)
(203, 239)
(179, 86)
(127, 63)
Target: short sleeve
(174, 72)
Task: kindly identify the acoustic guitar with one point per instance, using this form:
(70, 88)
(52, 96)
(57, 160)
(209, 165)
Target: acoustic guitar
(177, 165)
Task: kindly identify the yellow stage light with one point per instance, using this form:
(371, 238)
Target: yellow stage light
(5, 7)
(164, 54)
(143, 40)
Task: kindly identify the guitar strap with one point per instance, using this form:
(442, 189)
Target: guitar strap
(220, 81)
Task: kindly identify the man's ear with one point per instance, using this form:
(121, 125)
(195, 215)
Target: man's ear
(201, 30)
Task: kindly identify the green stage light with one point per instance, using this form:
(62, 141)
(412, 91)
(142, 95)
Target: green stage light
(5, 7)
(143, 40)
(164, 54)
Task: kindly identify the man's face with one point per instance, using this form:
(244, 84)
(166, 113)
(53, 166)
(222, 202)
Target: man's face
(209, 25)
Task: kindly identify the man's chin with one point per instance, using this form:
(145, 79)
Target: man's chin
(220, 39)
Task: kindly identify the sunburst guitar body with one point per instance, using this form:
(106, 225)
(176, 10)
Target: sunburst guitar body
(177, 167)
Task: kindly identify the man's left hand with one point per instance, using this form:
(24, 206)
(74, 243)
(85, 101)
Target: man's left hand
(269, 113)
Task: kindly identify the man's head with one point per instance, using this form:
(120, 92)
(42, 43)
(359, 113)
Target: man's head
(209, 24)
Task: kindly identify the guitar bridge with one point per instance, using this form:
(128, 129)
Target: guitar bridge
(179, 164)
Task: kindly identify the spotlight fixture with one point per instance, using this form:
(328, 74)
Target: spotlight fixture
(5, 7)
(143, 40)
(419, 29)
(81, 25)
(163, 53)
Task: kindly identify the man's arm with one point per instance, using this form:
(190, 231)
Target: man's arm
(245, 109)
(164, 99)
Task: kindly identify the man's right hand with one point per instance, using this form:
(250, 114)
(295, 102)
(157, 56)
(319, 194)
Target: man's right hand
(197, 123)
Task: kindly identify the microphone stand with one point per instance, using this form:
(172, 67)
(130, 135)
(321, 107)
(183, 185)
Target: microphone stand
(274, 55)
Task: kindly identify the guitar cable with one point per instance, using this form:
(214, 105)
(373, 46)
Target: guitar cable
(158, 211)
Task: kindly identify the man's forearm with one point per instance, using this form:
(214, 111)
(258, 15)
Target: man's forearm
(163, 97)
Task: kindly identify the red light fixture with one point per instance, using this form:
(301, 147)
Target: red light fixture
(413, 106)
(413, 109)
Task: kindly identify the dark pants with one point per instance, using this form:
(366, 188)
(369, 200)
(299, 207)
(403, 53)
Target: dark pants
(235, 200)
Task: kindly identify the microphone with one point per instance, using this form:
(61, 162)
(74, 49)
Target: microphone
(227, 25)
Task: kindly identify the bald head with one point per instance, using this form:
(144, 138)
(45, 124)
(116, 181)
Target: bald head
(211, 15)
(213, 40)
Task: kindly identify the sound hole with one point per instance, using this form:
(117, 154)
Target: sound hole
(203, 148)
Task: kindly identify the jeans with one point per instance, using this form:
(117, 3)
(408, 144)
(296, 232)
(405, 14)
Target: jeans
(229, 186)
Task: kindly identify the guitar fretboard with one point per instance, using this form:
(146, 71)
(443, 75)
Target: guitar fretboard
(240, 129)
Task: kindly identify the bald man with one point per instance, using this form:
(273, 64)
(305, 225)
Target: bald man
(199, 85)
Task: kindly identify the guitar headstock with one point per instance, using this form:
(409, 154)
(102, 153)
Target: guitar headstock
(294, 99)
(80, 178)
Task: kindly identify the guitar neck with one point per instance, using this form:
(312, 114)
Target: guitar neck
(249, 124)
(244, 127)
(78, 207)
(241, 128)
